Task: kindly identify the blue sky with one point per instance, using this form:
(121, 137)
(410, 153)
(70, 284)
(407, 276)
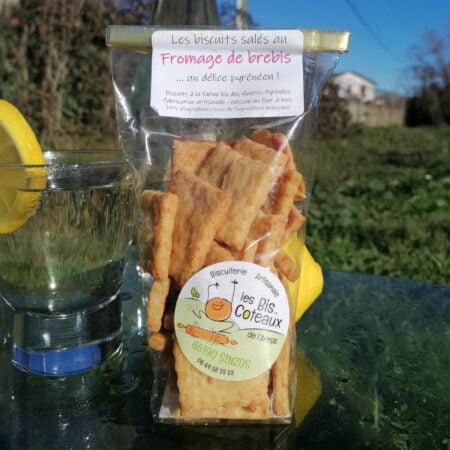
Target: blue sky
(383, 31)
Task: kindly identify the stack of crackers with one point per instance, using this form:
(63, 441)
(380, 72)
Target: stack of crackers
(227, 201)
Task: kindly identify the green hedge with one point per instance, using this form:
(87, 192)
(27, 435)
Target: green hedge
(381, 203)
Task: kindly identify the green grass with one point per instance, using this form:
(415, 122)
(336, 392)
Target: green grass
(381, 203)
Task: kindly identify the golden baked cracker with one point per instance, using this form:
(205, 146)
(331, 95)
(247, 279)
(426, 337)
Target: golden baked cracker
(259, 152)
(156, 303)
(189, 154)
(159, 209)
(263, 237)
(286, 266)
(217, 253)
(285, 191)
(301, 190)
(295, 220)
(268, 231)
(248, 182)
(276, 141)
(262, 137)
(202, 396)
(203, 208)
(217, 163)
(248, 251)
(160, 340)
(280, 143)
(282, 372)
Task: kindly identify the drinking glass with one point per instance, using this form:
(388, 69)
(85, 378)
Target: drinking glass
(61, 271)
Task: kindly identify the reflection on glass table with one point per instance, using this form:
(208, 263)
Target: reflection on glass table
(373, 360)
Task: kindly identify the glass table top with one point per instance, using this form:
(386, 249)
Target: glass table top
(373, 371)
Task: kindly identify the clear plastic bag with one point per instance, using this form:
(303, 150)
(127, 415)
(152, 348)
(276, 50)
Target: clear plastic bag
(226, 119)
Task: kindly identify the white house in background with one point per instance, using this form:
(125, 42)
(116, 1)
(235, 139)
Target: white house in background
(352, 84)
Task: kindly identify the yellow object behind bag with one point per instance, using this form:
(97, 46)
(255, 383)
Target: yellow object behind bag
(310, 283)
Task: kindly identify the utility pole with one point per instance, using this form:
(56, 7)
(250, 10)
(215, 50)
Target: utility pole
(241, 13)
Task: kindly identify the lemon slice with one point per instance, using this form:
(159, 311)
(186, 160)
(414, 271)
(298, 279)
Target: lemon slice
(20, 184)
(309, 284)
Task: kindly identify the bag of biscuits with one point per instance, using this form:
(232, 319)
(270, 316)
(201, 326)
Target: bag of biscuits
(225, 119)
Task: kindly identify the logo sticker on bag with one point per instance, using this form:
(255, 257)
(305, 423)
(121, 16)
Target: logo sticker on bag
(231, 320)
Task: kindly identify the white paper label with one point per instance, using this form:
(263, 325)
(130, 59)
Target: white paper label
(227, 73)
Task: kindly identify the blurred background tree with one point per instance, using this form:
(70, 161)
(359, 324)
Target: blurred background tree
(430, 104)
(185, 12)
(54, 65)
(334, 118)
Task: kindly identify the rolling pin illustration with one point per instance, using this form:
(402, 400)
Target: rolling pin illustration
(207, 335)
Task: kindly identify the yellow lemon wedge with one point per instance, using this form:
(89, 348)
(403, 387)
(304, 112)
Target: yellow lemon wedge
(20, 184)
(309, 284)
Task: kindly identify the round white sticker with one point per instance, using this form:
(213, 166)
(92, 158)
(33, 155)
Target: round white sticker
(231, 320)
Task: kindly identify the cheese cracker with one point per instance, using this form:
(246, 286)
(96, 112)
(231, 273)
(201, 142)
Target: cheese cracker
(275, 160)
(286, 266)
(160, 340)
(280, 143)
(248, 182)
(217, 163)
(217, 253)
(248, 251)
(189, 154)
(282, 372)
(156, 303)
(202, 396)
(295, 219)
(276, 141)
(204, 209)
(159, 209)
(284, 193)
(268, 230)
